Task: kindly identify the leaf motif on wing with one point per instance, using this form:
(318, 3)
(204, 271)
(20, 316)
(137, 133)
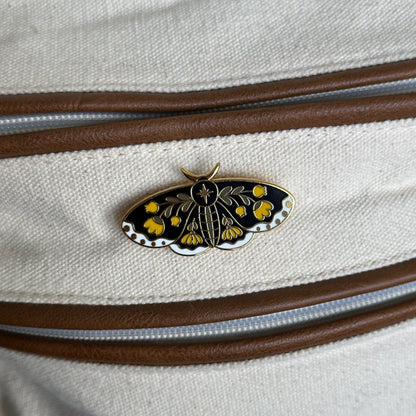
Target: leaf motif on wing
(184, 197)
(187, 205)
(173, 199)
(168, 211)
(227, 200)
(245, 199)
(237, 190)
(225, 191)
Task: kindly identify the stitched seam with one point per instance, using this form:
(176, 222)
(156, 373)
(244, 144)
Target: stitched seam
(221, 83)
(217, 293)
(306, 132)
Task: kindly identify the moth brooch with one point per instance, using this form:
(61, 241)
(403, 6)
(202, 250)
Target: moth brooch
(207, 213)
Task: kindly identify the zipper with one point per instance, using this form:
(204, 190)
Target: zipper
(236, 328)
(215, 330)
(26, 123)
(56, 122)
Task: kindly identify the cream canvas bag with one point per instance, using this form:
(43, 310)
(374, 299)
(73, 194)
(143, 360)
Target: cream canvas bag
(101, 105)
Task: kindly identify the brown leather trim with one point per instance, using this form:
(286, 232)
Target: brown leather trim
(203, 311)
(185, 101)
(351, 111)
(130, 353)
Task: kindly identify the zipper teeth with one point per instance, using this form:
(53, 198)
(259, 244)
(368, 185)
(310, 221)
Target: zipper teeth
(15, 124)
(252, 326)
(401, 86)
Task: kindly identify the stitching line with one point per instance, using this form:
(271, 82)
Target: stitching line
(230, 290)
(226, 82)
(250, 140)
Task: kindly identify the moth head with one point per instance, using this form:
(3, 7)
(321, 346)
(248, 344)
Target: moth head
(207, 176)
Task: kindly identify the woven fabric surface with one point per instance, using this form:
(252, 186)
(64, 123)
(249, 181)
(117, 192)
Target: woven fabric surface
(355, 188)
(173, 45)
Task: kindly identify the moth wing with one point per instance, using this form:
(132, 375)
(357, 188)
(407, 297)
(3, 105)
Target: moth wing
(255, 206)
(160, 219)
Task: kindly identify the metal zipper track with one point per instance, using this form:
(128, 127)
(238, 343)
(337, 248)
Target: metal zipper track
(236, 328)
(15, 124)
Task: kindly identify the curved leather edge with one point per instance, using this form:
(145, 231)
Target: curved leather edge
(352, 111)
(62, 316)
(203, 353)
(197, 100)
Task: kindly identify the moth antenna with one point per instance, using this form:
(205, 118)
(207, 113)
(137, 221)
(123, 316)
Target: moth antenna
(194, 177)
(214, 171)
(189, 175)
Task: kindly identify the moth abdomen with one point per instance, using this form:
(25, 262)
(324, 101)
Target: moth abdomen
(210, 224)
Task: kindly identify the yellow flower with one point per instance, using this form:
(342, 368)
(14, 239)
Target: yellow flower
(259, 191)
(175, 221)
(152, 207)
(155, 225)
(192, 239)
(262, 209)
(241, 211)
(231, 232)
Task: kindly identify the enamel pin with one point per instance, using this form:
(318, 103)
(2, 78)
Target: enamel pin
(207, 213)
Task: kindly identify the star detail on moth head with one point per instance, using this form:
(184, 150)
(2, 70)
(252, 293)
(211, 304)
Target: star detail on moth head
(204, 193)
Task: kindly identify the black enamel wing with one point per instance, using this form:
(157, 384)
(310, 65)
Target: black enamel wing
(193, 218)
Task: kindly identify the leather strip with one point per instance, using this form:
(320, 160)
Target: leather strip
(186, 101)
(203, 311)
(334, 113)
(130, 353)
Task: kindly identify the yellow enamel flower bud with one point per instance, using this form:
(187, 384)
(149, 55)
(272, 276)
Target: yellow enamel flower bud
(231, 232)
(155, 225)
(191, 239)
(152, 207)
(241, 211)
(262, 209)
(259, 191)
(175, 221)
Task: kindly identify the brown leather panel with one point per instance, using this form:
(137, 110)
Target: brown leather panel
(130, 353)
(351, 111)
(203, 311)
(185, 101)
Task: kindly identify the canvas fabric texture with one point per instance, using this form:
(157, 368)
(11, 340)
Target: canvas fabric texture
(177, 45)
(355, 188)
(373, 374)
